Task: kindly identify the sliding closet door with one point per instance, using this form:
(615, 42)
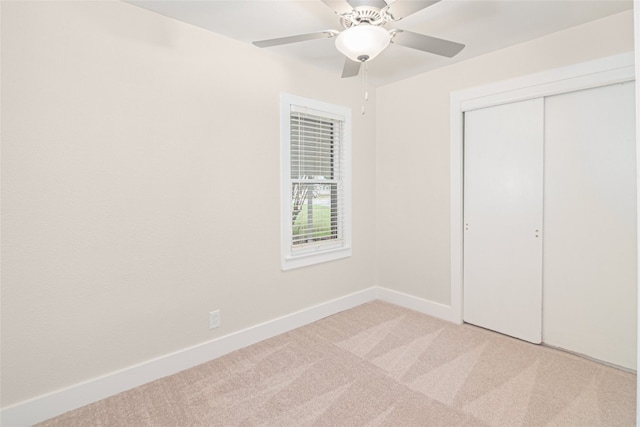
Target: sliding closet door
(590, 223)
(503, 218)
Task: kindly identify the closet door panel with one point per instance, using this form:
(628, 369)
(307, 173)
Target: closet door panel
(503, 218)
(590, 223)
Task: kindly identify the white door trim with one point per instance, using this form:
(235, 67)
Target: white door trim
(600, 72)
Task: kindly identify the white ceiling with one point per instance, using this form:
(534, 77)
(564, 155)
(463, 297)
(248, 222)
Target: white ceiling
(482, 25)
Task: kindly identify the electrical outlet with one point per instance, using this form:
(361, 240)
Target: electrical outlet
(214, 319)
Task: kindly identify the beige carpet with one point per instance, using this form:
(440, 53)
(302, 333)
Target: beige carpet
(379, 365)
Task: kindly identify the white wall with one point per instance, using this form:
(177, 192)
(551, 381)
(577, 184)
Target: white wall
(140, 190)
(413, 189)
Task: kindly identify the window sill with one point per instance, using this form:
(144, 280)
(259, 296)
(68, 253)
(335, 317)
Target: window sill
(310, 258)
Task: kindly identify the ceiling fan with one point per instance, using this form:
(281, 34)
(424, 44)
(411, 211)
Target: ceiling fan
(364, 35)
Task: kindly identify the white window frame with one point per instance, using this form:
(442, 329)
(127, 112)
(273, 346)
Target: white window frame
(329, 250)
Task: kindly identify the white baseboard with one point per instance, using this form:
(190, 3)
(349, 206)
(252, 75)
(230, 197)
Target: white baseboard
(51, 405)
(414, 303)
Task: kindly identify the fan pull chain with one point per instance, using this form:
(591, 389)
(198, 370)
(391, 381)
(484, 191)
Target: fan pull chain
(364, 84)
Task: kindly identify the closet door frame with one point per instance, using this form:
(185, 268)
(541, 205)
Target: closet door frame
(601, 72)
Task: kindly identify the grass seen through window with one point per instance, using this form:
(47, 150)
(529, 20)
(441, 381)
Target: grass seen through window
(321, 222)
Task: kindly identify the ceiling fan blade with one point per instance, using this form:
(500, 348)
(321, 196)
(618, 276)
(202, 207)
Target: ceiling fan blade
(295, 39)
(340, 7)
(427, 43)
(371, 3)
(351, 68)
(401, 9)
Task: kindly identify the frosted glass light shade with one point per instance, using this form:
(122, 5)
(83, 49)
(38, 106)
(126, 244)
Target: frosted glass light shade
(363, 42)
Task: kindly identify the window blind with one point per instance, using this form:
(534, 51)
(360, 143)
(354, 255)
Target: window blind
(317, 192)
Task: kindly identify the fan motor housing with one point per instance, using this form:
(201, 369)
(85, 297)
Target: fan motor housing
(363, 15)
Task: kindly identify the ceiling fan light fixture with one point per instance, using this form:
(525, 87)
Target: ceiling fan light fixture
(362, 42)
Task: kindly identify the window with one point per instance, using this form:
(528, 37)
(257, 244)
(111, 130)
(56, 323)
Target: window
(315, 175)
